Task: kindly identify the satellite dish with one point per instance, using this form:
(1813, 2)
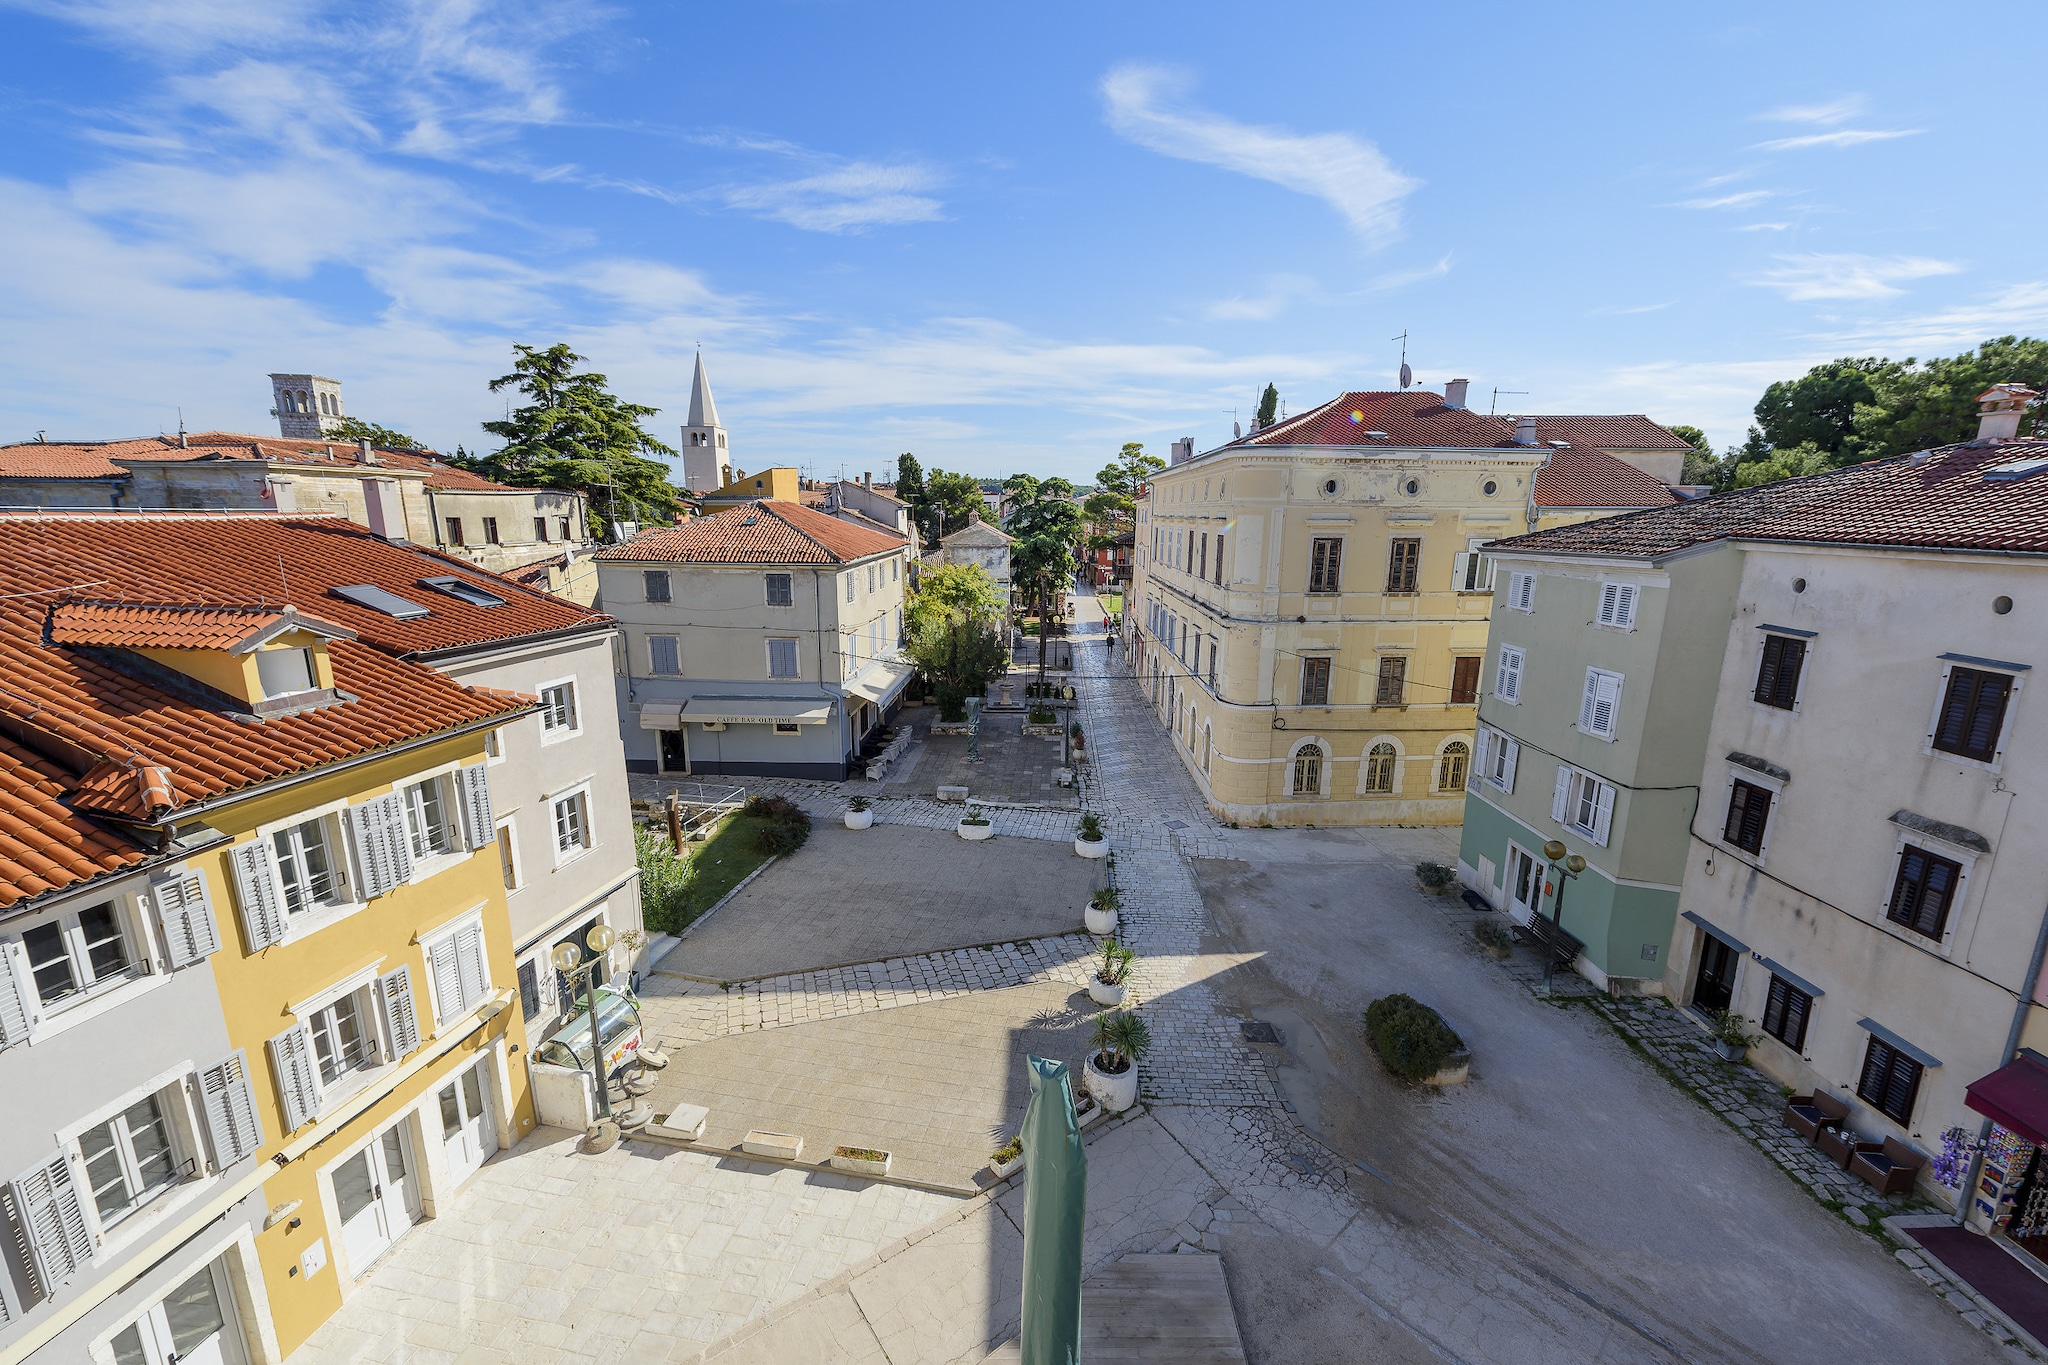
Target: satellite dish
(1237, 431)
(1407, 375)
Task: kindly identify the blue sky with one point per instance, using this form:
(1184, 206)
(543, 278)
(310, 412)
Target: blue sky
(1003, 237)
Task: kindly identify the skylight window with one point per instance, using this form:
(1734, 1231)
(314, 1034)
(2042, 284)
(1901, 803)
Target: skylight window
(2015, 469)
(462, 590)
(377, 599)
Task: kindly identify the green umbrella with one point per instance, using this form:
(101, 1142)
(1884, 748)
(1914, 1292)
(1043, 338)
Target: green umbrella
(1055, 1207)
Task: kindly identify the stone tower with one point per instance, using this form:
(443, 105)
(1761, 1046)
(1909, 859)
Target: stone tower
(307, 407)
(706, 463)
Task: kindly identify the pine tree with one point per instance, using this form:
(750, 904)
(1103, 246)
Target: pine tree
(1269, 406)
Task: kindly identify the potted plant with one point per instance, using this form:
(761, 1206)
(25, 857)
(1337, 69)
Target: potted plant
(865, 1160)
(1732, 1038)
(1495, 939)
(1006, 1160)
(1075, 731)
(1106, 986)
(1100, 915)
(1435, 878)
(1089, 841)
(974, 826)
(1120, 1039)
(859, 813)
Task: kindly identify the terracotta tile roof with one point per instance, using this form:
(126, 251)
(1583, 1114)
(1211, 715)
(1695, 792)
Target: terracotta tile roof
(100, 732)
(98, 459)
(128, 626)
(1581, 476)
(1420, 418)
(764, 532)
(1954, 498)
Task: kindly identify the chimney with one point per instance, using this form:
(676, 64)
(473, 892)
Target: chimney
(1454, 393)
(1183, 450)
(867, 480)
(973, 515)
(363, 448)
(385, 510)
(1999, 409)
(1525, 431)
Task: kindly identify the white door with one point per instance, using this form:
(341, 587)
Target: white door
(1524, 885)
(374, 1190)
(466, 1125)
(193, 1325)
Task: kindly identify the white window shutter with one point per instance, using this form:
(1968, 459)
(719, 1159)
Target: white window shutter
(1514, 756)
(1507, 682)
(298, 1081)
(258, 891)
(1522, 591)
(21, 1007)
(1603, 816)
(447, 980)
(1586, 701)
(1606, 703)
(1560, 800)
(1461, 569)
(474, 783)
(1625, 606)
(390, 810)
(185, 912)
(394, 990)
(230, 1103)
(50, 1222)
(1482, 749)
(469, 961)
(1609, 596)
(373, 864)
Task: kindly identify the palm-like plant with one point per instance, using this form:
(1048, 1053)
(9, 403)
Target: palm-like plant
(1120, 1039)
(1091, 827)
(1108, 898)
(1116, 964)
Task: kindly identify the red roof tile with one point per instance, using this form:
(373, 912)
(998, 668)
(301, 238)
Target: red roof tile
(44, 844)
(1581, 476)
(128, 626)
(764, 532)
(98, 459)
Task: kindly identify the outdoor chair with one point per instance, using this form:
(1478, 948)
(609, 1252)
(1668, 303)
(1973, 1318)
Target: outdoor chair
(1806, 1115)
(1891, 1169)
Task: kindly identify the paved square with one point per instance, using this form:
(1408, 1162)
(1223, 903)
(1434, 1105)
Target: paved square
(1015, 767)
(888, 891)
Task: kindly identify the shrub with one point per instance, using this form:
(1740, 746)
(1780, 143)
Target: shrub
(780, 809)
(776, 839)
(1116, 963)
(1120, 1039)
(1108, 898)
(1436, 878)
(974, 816)
(664, 881)
(1075, 731)
(1091, 827)
(1043, 715)
(1733, 1030)
(1492, 934)
(952, 702)
(858, 804)
(1009, 1151)
(1412, 1039)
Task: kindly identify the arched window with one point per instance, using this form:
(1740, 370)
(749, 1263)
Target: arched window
(1451, 776)
(1379, 768)
(1208, 746)
(1308, 771)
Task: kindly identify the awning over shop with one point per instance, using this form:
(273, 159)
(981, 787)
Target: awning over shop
(661, 715)
(881, 683)
(2015, 1096)
(757, 710)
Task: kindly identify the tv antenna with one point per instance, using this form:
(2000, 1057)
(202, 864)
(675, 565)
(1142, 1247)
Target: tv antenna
(1407, 375)
(1498, 391)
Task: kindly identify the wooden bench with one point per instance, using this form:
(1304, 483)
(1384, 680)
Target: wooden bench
(1564, 949)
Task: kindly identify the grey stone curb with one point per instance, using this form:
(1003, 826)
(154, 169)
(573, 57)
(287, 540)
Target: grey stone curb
(869, 961)
(692, 926)
(963, 1191)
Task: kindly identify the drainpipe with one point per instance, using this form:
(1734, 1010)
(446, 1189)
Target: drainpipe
(2012, 1044)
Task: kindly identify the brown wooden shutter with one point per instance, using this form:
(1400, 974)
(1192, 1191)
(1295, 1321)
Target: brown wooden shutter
(1465, 680)
(1402, 559)
(1777, 678)
(1748, 807)
(1392, 681)
(1923, 890)
(1315, 682)
(1972, 713)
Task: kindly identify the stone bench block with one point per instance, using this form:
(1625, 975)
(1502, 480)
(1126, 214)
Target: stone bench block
(785, 1146)
(958, 794)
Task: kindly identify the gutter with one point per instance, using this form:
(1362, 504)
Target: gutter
(590, 625)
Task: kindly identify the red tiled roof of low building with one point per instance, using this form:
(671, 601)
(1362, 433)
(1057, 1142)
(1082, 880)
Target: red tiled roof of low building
(763, 532)
(126, 625)
(97, 459)
(1581, 476)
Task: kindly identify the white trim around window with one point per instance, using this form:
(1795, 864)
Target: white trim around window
(1582, 802)
(1617, 605)
(458, 967)
(1600, 704)
(508, 854)
(1508, 668)
(561, 717)
(569, 813)
(1521, 590)
(184, 1161)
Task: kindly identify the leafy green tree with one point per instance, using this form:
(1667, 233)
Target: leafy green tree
(953, 592)
(356, 429)
(1047, 524)
(1701, 464)
(954, 634)
(1790, 463)
(909, 479)
(1917, 406)
(1269, 405)
(1820, 406)
(951, 497)
(1113, 506)
(574, 434)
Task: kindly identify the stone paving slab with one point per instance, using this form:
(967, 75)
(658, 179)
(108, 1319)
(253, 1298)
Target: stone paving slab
(851, 896)
(939, 1085)
(1014, 766)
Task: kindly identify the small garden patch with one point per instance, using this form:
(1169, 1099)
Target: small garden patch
(1412, 1040)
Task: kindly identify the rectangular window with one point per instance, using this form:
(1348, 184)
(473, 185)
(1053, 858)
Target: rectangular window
(1203, 570)
(1465, 680)
(1472, 571)
(1749, 808)
(572, 824)
(284, 672)
(782, 659)
(566, 523)
(1219, 558)
(341, 1038)
(1315, 682)
(1600, 707)
(779, 594)
(540, 528)
(129, 1158)
(655, 581)
(1777, 677)
(307, 866)
(1521, 592)
(1618, 605)
(558, 708)
(1325, 564)
(429, 820)
(1923, 891)
(1404, 560)
(1584, 802)
(664, 654)
(1188, 555)
(529, 990)
(1499, 757)
(1972, 713)
(874, 577)
(1393, 681)
(788, 727)
(1507, 677)
(78, 952)
(1785, 1011)
(508, 857)
(455, 531)
(1890, 1081)
(849, 587)
(490, 530)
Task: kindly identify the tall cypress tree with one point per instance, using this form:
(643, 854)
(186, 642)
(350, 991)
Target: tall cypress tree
(1269, 405)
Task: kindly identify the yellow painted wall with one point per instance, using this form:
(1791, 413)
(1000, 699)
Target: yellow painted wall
(256, 989)
(782, 483)
(235, 674)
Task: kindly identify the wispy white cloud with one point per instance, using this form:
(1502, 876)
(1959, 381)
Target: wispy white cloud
(1826, 114)
(1615, 310)
(1816, 276)
(1280, 293)
(1739, 200)
(1845, 137)
(1400, 279)
(847, 198)
(1143, 104)
(2016, 308)
(1764, 227)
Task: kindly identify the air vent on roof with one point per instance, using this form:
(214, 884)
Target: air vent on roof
(462, 590)
(377, 599)
(2015, 469)
(1376, 435)
(1559, 445)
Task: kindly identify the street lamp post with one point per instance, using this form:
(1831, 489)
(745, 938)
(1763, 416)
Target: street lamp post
(568, 960)
(1067, 728)
(1555, 852)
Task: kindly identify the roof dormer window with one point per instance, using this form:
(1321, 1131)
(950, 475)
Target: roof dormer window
(285, 672)
(462, 590)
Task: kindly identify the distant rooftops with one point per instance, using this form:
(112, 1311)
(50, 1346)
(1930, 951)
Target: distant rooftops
(764, 532)
(110, 459)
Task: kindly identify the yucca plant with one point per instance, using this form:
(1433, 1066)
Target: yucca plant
(1116, 963)
(1091, 827)
(1120, 1039)
(1108, 898)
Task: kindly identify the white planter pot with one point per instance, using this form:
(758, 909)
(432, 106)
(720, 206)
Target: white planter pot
(845, 1161)
(1003, 1170)
(1113, 1092)
(1104, 994)
(1456, 1070)
(1091, 848)
(974, 833)
(859, 819)
(1101, 923)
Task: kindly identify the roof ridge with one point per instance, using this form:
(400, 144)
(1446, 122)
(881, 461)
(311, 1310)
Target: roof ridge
(827, 550)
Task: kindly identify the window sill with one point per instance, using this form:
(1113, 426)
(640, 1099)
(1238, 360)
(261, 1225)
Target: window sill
(433, 865)
(148, 1218)
(92, 1004)
(334, 1097)
(563, 859)
(307, 923)
(548, 737)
